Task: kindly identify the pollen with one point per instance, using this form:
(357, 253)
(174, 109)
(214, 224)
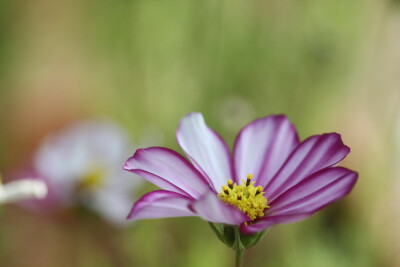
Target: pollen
(92, 180)
(246, 197)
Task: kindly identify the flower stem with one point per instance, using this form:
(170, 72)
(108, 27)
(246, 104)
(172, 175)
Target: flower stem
(239, 258)
(239, 249)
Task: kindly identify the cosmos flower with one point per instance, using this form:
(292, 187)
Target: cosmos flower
(21, 190)
(82, 166)
(269, 178)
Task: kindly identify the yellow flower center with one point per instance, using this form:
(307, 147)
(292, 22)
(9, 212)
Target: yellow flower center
(246, 197)
(91, 180)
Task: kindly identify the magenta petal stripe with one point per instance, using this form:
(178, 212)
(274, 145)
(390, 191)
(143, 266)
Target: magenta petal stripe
(315, 153)
(269, 221)
(315, 192)
(211, 209)
(312, 194)
(161, 204)
(262, 147)
(206, 149)
(168, 170)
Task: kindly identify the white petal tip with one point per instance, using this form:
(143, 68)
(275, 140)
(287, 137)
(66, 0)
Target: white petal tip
(39, 189)
(22, 190)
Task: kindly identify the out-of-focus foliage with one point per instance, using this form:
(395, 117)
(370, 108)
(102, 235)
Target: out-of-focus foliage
(328, 65)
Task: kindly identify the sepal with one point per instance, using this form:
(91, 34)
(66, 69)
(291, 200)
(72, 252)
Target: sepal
(232, 237)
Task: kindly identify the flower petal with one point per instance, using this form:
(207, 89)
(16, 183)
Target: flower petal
(301, 201)
(269, 221)
(206, 149)
(168, 170)
(110, 204)
(315, 153)
(315, 192)
(68, 156)
(262, 147)
(211, 209)
(18, 190)
(161, 204)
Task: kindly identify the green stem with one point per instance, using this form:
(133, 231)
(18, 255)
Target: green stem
(239, 258)
(239, 249)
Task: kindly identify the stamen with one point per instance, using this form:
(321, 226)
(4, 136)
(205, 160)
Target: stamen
(249, 177)
(259, 190)
(230, 184)
(246, 197)
(225, 188)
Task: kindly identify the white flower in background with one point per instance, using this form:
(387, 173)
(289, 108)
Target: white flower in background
(83, 165)
(21, 190)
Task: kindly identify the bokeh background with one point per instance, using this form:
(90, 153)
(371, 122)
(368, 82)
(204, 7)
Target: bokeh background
(328, 65)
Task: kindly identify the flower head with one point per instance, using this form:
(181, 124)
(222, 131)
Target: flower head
(270, 177)
(81, 166)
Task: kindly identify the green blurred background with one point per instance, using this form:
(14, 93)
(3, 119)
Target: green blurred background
(328, 65)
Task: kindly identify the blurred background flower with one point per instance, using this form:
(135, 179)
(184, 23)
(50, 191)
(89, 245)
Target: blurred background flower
(328, 65)
(82, 165)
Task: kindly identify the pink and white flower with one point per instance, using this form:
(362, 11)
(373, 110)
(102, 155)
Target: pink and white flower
(291, 179)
